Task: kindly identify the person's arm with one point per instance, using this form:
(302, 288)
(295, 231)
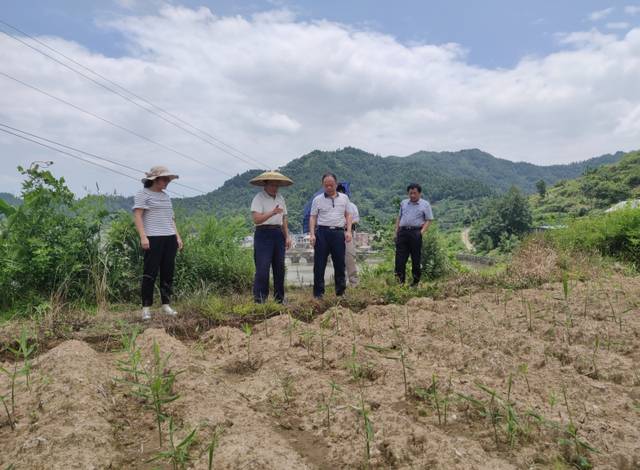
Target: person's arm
(137, 220)
(262, 217)
(312, 229)
(349, 219)
(178, 238)
(285, 231)
(425, 227)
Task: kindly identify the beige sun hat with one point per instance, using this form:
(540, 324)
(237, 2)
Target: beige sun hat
(157, 172)
(277, 177)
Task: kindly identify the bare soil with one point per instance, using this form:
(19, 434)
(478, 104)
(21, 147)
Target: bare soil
(503, 362)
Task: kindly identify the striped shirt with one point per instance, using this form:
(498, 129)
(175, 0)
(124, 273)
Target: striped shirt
(157, 216)
(355, 213)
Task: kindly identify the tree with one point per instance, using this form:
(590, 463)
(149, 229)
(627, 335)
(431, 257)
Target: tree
(541, 186)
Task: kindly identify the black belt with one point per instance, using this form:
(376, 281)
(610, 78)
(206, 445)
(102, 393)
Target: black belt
(268, 227)
(410, 228)
(330, 227)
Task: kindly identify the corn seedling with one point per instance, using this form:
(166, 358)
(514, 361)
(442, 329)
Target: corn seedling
(213, 445)
(401, 357)
(13, 378)
(367, 426)
(327, 402)
(12, 424)
(131, 365)
(307, 338)
(593, 356)
(291, 328)
(580, 445)
(24, 353)
(324, 325)
(288, 390)
(156, 387)
(248, 331)
(436, 401)
(523, 369)
(177, 455)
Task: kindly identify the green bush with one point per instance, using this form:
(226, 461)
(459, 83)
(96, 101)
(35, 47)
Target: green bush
(615, 234)
(49, 244)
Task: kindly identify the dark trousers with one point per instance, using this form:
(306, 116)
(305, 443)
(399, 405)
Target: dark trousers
(408, 243)
(161, 256)
(328, 242)
(268, 252)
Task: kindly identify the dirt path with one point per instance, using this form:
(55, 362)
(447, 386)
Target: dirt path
(496, 380)
(464, 235)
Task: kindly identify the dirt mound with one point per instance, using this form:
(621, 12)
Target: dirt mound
(63, 421)
(536, 378)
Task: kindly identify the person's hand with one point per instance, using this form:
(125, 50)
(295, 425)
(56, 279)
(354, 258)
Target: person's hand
(180, 243)
(288, 243)
(277, 210)
(144, 243)
(348, 237)
(312, 241)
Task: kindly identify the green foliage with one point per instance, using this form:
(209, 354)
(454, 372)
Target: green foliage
(541, 186)
(615, 234)
(49, 243)
(435, 261)
(504, 217)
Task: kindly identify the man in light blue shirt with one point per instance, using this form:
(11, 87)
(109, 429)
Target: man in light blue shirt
(413, 221)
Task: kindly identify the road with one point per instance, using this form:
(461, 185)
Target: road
(466, 240)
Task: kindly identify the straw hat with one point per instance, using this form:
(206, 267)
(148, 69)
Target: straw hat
(276, 177)
(157, 172)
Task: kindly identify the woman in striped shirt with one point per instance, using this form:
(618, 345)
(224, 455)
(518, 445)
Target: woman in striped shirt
(159, 238)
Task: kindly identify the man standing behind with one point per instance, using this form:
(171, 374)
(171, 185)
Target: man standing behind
(413, 221)
(350, 255)
(330, 228)
(269, 213)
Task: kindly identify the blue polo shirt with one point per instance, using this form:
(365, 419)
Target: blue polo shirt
(414, 214)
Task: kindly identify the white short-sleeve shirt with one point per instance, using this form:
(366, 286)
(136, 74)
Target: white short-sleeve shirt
(355, 213)
(330, 211)
(264, 202)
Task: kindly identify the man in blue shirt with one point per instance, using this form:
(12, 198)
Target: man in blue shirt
(413, 221)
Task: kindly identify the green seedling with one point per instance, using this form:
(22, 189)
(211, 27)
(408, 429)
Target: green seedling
(156, 386)
(291, 328)
(177, 455)
(307, 338)
(288, 390)
(402, 357)
(571, 431)
(24, 353)
(523, 369)
(367, 426)
(213, 445)
(131, 365)
(13, 378)
(593, 356)
(248, 331)
(324, 325)
(327, 402)
(12, 423)
(565, 285)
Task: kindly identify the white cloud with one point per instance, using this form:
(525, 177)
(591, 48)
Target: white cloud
(600, 14)
(277, 88)
(618, 25)
(632, 9)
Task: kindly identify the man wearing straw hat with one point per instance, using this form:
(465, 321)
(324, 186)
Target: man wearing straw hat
(271, 239)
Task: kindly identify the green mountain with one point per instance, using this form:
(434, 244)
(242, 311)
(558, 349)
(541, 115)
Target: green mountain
(10, 199)
(596, 190)
(450, 180)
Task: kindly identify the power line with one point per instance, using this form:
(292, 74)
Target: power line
(127, 98)
(92, 155)
(28, 137)
(119, 126)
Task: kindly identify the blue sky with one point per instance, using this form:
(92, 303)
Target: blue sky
(496, 33)
(545, 82)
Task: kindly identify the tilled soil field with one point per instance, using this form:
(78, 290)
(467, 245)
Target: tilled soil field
(540, 378)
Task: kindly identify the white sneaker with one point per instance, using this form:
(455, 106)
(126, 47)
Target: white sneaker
(146, 313)
(167, 310)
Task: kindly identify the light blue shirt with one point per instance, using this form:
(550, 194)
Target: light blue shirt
(414, 214)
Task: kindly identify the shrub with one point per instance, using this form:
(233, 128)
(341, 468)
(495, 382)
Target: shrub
(615, 234)
(49, 244)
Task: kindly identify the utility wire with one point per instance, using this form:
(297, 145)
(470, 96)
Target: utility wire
(249, 160)
(92, 155)
(148, 139)
(18, 132)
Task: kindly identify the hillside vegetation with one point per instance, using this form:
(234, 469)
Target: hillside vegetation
(593, 192)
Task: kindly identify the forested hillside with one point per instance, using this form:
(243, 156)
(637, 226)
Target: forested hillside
(596, 190)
